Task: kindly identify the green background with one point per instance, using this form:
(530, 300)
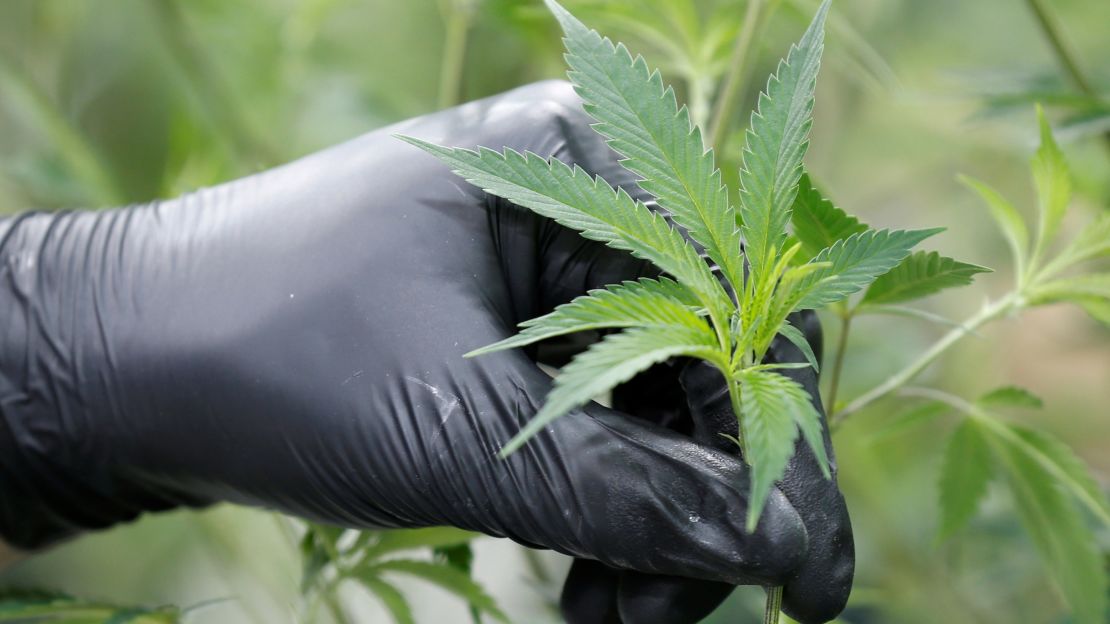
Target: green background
(129, 101)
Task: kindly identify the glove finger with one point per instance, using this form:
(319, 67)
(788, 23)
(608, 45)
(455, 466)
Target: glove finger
(662, 599)
(633, 495)
(590, 594)
(819, 590)
(656, 396)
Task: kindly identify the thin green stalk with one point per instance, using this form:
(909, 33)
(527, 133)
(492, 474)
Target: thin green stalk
(1063, 53)
(988, 313)
(838, 362)
(457, 18)
(1002, 430)
(335, 608)
(734, 81)
(773, 605)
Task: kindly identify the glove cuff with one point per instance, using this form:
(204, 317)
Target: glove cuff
(48, 489)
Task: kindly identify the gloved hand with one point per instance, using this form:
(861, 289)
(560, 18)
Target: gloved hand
(294, 340)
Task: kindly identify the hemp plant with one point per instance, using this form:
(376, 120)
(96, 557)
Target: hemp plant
(333, 557)
(728, 319)
(1051, 487)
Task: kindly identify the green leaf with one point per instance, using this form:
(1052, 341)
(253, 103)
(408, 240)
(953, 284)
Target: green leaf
(1092, 242)
(391, 598)
(643, 303)
(774, 409)
(964, 476)
(817, 222)
(34, 606)
(1076, 474)
(642, 122)
(585, 203)
(775, 144)
(445, 576)
(919, 414)
(1007, 217)
(1062, 538)
(392, 541)
(798, 339)
(1094, 286)
(1009, 396)
(1098, 309)
(854, 263)
(919, 275)
(613, 361)
(1050, 176)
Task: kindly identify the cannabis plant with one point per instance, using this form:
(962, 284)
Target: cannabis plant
(333, 556)
(728, 319)
(31, 606)
(1051, 487)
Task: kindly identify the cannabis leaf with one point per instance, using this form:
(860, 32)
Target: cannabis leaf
(919, 275)
(964, 476)
(642, 122)
(1061, 536)
(855, 262)
(588, 204)
(774, 146)
(1048, 483)
(1039, 277)
(22, 606)
(615, 360)
(445, 576)
(1009, 396)
(643, 303)
(817, 222)
(331, 558)
(689, 312)
(775, 409)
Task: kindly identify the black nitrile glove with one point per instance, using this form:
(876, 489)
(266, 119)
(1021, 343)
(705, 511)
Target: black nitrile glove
(294, 340)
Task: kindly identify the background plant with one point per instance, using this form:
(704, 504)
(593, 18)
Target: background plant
(889, 139)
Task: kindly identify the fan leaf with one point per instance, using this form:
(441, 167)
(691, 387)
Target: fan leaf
(1007, 217)
(817, 222)
(643, 303)
(391, 598)
(585, 203)
(854, 263)
(1062, 538)
(775, 144)
(965, 473)
(445, 576)
(1050, 176)
(615, 360)
(643, 123)
(1009, 396)
(921, 274)
(774, 409)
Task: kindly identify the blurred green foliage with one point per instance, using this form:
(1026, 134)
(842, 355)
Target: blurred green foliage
(102, 104)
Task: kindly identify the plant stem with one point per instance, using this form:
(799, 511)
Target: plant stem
(838, 362)
(774, 594)
(457, 18)
(730, 91)
(774, 605)
(989, 312)
(331, 599)
(1063, 54)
